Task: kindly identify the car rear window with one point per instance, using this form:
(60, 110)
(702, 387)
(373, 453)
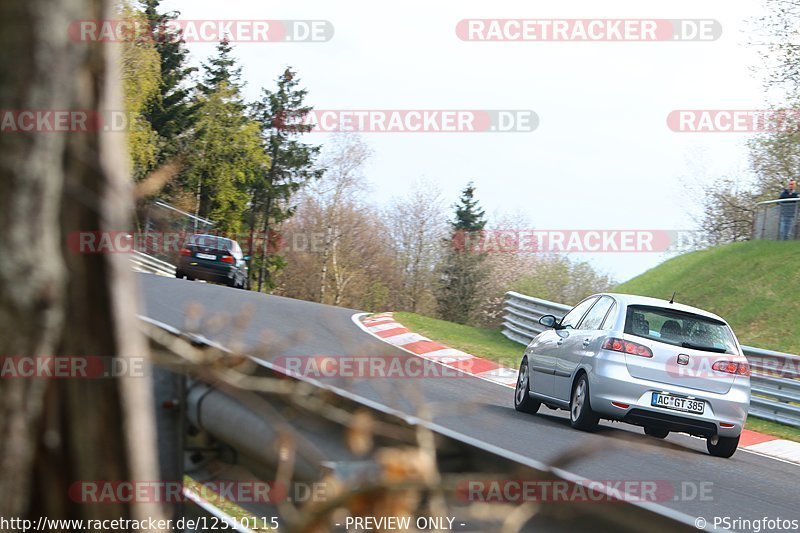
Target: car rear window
(679, 328)
(211, 242)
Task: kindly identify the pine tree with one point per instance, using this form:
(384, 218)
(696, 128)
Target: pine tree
(463, 269)
(227, 152)
(220, 69)
(469, 216)
(170, 113)
(281, 115)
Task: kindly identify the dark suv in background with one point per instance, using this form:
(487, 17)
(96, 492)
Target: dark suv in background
(213, 258)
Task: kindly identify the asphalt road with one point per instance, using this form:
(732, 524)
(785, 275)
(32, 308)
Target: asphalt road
(747, 486)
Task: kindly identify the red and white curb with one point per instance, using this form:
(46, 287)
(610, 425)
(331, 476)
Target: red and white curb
(386, 328)
(770, 446)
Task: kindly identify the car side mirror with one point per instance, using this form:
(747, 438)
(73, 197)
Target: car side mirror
(548, 321)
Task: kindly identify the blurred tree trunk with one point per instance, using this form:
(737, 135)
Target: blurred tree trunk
(53, 300)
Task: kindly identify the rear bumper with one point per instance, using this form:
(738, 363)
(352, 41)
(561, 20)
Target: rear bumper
(676, 422)
(200, 270)
(610, 381)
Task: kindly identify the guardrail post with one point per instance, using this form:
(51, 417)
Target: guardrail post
(169, 389)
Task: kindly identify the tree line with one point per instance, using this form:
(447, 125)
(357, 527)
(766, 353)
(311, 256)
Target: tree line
(301, 207)
(414, 254)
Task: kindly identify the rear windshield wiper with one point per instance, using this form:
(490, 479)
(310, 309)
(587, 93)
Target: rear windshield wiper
(703, 348)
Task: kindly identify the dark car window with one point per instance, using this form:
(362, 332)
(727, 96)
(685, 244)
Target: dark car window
(573, 317)
(596, 314)
(211, 242)
(679, 328)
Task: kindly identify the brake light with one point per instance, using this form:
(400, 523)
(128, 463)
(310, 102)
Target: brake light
(729, 367)
(227, 259)
(628, 347)
(186, 251)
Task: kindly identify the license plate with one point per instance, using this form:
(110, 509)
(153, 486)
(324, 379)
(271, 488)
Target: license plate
(678, 403)
(207, 256)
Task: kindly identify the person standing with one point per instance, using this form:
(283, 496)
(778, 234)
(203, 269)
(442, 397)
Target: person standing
(788, 211)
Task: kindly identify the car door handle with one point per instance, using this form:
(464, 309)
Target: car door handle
(586, 342)
(560, 342)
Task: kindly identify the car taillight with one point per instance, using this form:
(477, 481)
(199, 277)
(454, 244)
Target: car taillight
(628, 347)
(227, 259)
(729, 367)
(186, 251)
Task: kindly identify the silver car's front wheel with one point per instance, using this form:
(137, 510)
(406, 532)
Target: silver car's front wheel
(581, 415)
(522, 400)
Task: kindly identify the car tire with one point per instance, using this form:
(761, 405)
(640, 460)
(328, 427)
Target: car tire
(179, 274)
(522, 400)
(659, 433)
(724, 446)
(581, 415)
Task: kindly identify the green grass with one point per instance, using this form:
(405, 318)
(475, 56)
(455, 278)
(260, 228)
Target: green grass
(755, 286)
(772, 428)
(480, 342)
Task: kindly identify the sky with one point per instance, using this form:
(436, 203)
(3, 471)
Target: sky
(602, 156)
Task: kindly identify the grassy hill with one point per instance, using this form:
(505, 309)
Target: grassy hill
(755, 286)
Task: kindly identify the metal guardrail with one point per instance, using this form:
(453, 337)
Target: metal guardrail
(767, 219)
(775, 377)
(146, 263)
(775, 384)
(521, 322)
(245, 425)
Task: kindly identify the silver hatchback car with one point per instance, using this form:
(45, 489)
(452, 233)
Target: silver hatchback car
(649, 362)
